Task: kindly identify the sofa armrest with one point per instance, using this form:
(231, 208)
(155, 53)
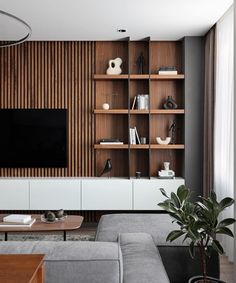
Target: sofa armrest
(141, 260)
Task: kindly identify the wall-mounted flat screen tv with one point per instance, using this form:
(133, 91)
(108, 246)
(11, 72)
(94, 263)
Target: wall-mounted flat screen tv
(33, 138)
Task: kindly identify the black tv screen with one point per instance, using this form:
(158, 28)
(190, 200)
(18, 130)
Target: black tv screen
(35, 138)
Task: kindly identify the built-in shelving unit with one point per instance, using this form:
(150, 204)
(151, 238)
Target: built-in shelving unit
(119, 92)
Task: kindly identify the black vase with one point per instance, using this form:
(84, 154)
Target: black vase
(170, 103)
(198, 279)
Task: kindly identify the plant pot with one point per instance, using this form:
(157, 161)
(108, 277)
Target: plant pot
(199, 279)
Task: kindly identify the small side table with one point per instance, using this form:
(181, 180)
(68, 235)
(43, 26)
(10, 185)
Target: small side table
(22, 268)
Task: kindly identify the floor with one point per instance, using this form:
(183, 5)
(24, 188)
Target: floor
(226, 270)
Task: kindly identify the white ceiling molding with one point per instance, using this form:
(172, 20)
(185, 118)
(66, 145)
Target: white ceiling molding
(100, 19)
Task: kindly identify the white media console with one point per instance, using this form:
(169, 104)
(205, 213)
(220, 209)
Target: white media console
(84, 193)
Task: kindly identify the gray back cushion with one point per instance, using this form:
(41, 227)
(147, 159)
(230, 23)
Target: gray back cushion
(142, 261)
(157, 225)
(71, 262)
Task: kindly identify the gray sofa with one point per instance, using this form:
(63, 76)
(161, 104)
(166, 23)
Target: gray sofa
(126, 250)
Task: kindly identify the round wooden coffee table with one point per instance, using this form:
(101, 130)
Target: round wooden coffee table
(71, 222)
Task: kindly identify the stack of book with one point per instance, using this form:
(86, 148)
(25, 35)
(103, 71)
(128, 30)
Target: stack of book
(17, 220)
(167, 71)
(133, 136)
(111, 141)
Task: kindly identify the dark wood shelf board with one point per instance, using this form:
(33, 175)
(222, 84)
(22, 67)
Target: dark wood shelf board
(110, 77)
(167, 146)
(138, 77)
(136, 111)
(166, 77)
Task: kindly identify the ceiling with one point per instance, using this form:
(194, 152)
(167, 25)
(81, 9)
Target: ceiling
(100, 19)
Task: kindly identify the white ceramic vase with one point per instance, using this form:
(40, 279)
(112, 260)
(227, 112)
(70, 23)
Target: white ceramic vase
(114, 67)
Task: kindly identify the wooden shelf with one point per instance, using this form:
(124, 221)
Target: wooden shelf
(167, 111)
(167, 146)
(110, 111)
(120, 91)
(110, 77)
(166, 77)
(138, 77)
(136, 111)
(139, 146)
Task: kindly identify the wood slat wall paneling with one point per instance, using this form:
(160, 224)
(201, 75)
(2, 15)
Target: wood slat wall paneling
(53, 75)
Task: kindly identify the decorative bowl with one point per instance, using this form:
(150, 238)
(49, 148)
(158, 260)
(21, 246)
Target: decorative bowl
(165, 141)
(43, 219)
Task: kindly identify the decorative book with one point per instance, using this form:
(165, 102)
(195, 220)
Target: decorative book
(17, 218)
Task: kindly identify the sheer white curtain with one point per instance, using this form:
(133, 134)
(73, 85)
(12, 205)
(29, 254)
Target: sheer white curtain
(223, 137)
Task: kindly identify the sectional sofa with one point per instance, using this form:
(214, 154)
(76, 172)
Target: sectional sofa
(129, 248)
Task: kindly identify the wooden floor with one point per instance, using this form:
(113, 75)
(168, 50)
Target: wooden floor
(226, 270)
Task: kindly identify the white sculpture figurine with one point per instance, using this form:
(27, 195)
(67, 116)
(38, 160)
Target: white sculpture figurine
(114, 67)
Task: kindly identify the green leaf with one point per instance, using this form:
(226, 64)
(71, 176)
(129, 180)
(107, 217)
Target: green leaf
(192, 249)
(225, 231)
(174, 235)
(203, 206)
(217, 247)
(163, 192)
(226, 202)
(175, 200)
(164, 205)
(182, 193)
(213, 196)
(226, 222)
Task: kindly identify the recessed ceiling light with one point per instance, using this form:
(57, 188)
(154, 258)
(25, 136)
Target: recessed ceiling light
(121, 30)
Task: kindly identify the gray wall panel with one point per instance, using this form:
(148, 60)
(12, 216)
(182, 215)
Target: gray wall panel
(194, 97)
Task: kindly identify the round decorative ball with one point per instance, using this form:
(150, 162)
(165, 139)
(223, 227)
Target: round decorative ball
(51, 217)
(105, 106)
(59, 213)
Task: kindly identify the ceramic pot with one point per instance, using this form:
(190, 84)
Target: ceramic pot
(199, 279)
(170, 103)
(114, 67)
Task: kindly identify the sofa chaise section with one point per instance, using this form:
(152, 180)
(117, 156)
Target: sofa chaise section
(175, 256)
(71, 262)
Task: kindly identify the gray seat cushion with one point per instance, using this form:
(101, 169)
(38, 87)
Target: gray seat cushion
(71, 262)
(142, 261)
(157, 225)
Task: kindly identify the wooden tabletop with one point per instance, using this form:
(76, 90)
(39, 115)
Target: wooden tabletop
(20, 268)
(71, 222)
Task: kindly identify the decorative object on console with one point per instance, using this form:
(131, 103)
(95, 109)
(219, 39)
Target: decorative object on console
(114, 66)
(165, 141)
(105, 106)
(167, 71)
(172, 131)
(19, 41)
(53, 216)
(138, 175)
(143, 140)
(199, 223)
(141, 63)
(142, 101)
(166, 173)
(107, 168)
(167, 165)
(170, 103)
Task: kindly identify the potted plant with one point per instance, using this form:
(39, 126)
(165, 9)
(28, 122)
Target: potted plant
(198, 222)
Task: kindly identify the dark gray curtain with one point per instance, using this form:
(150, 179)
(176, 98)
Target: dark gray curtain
(209, 103)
